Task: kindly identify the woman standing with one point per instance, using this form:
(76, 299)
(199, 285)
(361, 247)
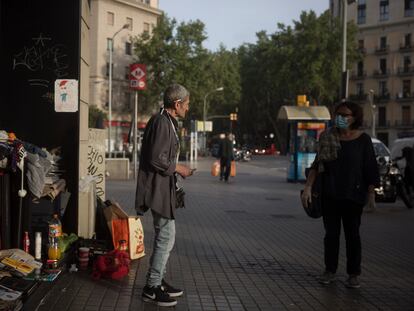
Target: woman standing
(349, 172)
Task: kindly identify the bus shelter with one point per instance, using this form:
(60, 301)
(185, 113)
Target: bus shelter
(305, 124)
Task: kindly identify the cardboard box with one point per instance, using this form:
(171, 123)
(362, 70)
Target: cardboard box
(125, 227)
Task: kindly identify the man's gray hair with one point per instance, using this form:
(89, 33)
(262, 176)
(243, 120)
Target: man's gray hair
(173, 93)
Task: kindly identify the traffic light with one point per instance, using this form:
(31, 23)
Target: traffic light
(233, 116)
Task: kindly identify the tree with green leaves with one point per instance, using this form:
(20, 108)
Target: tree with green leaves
(175, 53)
(301, 59)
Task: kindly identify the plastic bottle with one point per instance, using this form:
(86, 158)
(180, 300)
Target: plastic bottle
(55, 228)
(38, 245)
(54, 251)
(26, 242)
(55, 231)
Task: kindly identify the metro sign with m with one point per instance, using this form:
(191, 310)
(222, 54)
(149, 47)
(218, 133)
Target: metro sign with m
(137, 76)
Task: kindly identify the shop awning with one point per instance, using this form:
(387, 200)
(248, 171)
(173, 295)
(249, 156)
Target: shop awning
(297, 113)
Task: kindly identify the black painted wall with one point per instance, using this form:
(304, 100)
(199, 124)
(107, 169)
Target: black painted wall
(39, 43)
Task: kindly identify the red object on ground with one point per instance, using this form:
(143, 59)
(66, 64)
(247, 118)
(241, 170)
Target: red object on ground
(114, 265)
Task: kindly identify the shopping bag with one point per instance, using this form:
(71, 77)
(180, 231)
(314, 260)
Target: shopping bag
(215, 168)
(136, 238)
(233, 168)
(125, 227)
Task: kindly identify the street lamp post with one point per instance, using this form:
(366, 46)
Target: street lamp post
(344, 75)
(373, 106)
(111, 44)
(219, 89)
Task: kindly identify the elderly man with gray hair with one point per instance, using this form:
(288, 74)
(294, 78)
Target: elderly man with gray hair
(156, 189)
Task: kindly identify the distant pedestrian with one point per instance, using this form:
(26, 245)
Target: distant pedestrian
(346, 163)
(226, 156)
(156, 189)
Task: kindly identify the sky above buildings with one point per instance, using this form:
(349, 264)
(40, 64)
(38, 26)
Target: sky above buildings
(234, 22)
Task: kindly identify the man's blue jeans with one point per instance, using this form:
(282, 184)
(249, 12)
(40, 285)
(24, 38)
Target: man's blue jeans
(164, 239)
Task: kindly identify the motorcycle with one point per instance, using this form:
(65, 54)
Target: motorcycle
(242, 155)
(393, 184)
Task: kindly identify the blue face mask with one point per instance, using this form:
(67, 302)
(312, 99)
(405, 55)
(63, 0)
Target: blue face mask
(341, 122)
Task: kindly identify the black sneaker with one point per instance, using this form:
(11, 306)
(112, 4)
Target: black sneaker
(158, 296)
(172, 291)
(326, 278)
(352, 282)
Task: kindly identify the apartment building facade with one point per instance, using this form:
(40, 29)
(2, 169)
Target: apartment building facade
(107, 18)
(383, 80)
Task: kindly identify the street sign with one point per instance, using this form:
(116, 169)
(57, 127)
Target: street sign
(137, 76)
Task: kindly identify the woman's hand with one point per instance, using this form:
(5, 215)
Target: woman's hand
(306, 196)
(371, 201)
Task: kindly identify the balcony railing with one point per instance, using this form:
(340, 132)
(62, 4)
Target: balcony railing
(382, 98)
(404, 97)
(383, 124)
(409, 13)
(379, 125)
(381, 73)
(406, 48)
(358, 75)
(358, 97)
(362, 50)
(404, 124)
(406, 71)
(382, 49)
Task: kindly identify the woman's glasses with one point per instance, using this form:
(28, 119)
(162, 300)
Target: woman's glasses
(344, 114)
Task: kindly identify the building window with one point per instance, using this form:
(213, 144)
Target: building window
(408, 8)
(382, 116)
(107, 69)
(128, 101)
(383, 91)
(383, 66)
(109, 44)
(384, 10)
(146, 1)
(126, 72)
(128, 48)
(146, 27)
(406, 88)
(383, 43)
(361, 45)
(110, 18)
(362, 11)
(407, 63)
(129, 23)
(360, 69)
(360, 89)
(406, 115)
(407, 40)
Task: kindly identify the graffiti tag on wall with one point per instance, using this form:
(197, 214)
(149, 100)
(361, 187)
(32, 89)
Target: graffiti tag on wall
(96, 159)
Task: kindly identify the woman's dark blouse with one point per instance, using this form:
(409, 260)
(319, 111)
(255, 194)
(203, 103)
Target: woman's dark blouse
(348, 177)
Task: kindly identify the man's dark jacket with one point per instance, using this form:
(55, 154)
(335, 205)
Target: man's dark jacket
(156, 180)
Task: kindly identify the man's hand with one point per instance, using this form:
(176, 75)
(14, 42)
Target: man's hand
(183, 170)
(306, 196)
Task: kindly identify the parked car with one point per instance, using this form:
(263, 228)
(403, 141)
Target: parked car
(380, 149)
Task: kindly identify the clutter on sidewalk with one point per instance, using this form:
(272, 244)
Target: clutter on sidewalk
(42, 250)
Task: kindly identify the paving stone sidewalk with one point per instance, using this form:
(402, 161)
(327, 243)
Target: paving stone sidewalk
(248, 245)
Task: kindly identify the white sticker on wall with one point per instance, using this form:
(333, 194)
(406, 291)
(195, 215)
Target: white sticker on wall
(66, 95)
